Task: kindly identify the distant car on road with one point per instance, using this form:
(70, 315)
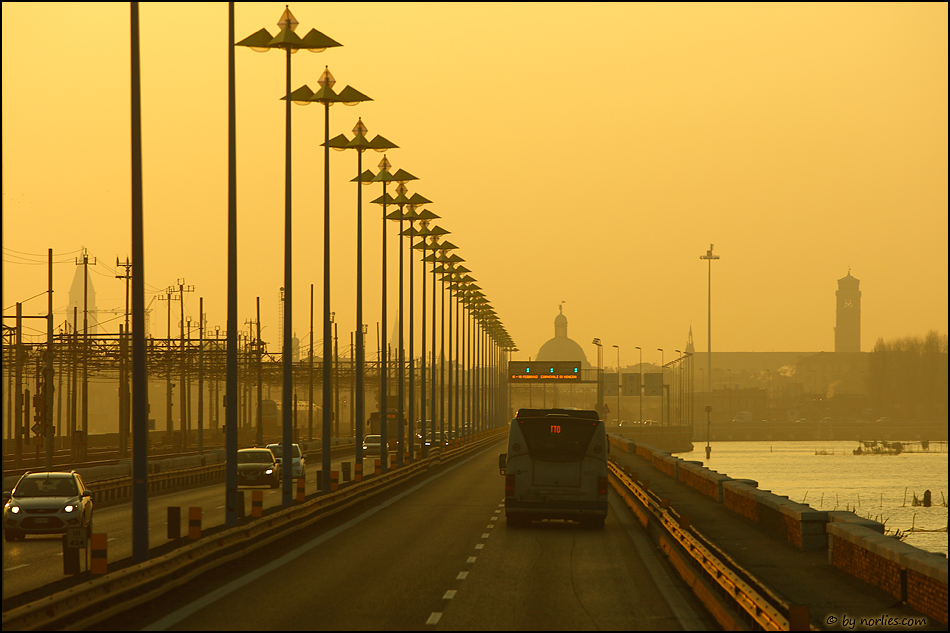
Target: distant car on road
(46, 503)
(299, 460)
(257, 467)
(372, 443)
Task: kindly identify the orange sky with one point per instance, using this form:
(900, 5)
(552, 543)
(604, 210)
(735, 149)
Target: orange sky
(585, 153)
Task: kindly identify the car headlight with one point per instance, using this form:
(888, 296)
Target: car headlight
(14, 509)
(71, 507)
(269, 471)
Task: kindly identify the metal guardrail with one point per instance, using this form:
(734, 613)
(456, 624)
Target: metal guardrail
(110, 595)
(752, 598)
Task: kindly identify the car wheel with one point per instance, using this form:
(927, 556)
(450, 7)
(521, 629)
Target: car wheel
(9, 535)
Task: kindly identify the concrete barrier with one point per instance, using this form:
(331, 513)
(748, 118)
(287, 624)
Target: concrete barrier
(797, 524)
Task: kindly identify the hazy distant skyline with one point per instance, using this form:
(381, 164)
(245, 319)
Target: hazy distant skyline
(578, 153)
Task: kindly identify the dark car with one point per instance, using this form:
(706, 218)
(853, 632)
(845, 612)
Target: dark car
(46, 503)
(257, 467)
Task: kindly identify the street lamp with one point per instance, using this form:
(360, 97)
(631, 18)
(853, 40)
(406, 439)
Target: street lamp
(401, 215)
(360, 144)
(709, 257)
(325, 95)
(400, 177)
(444, 260)
(600, 375)
(662, 384)
(286, 39)
(708, 449)
(618, 383)
(640, 391)
(424, 246)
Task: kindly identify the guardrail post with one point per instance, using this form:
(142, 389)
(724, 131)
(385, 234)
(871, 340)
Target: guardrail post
(301, 490)
(358, 472)
(240, 504)
(334, 480)
(174, 522)
(798, 618)
(645, 484)
(665, 502)
(257, 504)
(99, 564)
(194, 523)
(70, 559)
(377, 467)
(684, 521)
(393, 462)
(319, 481)
(346, 471)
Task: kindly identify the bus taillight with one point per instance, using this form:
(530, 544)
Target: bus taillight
(601, 485)
(509, 485)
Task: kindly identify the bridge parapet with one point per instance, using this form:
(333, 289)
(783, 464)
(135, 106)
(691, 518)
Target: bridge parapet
(911, 575)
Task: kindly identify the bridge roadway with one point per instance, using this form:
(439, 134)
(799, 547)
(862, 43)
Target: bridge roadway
(433, 553)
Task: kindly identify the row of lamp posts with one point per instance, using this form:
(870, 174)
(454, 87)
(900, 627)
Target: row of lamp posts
(434, 251)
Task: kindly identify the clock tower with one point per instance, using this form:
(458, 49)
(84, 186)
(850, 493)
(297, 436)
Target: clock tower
(848, 315)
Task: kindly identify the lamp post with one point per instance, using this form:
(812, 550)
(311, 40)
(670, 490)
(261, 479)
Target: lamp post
(709, 257)
(442, 258)
(400, 215)
(600, 376)
(768, 397)
(360, 144)
(325, 95)
(424, 246)
(708, 449)
(662, 383)
(262, 41)
(401, 177)
(640, 390)
(619, 377)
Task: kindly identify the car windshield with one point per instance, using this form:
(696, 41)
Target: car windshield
(47, 487)
(254, 457)
(371, 439)
(278, 451)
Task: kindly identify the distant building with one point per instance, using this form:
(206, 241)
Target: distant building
(76, 301)
(561, 347)
(848, 315)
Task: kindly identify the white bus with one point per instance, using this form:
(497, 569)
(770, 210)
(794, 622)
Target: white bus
(556, 467)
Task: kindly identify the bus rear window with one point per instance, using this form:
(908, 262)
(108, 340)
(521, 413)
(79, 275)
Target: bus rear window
(557, 440)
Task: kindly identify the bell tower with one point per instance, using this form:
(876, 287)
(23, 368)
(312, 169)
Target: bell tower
(848, 315)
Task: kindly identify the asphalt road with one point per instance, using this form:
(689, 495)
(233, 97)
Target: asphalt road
(38, 561)
(437, 554)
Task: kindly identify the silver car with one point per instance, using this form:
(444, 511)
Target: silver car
(46, 503)
(299, 460)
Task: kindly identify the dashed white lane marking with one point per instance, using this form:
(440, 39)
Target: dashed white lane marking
(434, 618)
(471, 559)
(449, 594)
(489, 526)
(485, 535)
(497, 511)
(17, 567)
(481, 545)
(494, 518)
(462, 576)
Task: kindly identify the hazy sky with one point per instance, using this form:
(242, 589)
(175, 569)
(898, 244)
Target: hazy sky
(585, 153)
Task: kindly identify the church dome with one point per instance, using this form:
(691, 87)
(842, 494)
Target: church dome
(561, 347)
